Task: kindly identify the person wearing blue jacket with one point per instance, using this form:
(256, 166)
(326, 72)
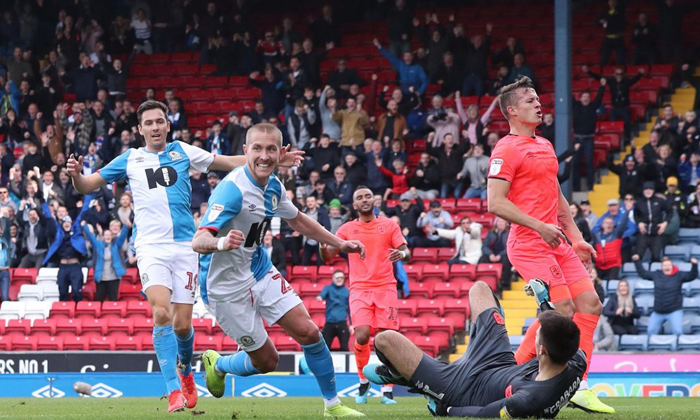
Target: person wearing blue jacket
(69, 246)
(410, 74)
(337, 298)
(689, 171)
(109, 267)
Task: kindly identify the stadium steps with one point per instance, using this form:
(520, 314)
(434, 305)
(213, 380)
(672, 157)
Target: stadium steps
(517, 306)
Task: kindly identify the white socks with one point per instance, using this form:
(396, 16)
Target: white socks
(333, 401)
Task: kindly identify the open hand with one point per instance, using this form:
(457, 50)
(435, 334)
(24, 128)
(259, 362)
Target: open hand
(289, 159)
(551, 234)
(74, 166)
(585, 251)
(395, 255)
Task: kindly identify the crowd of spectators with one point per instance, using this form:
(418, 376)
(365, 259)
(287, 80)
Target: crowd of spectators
(68, 96)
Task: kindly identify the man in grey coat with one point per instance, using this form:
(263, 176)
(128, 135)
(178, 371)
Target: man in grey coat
(476, 165)
(435, 219)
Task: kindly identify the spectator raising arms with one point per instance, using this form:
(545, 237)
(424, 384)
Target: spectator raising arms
(668, 296)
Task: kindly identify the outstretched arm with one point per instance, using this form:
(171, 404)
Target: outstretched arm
(83, 184)
(312, 229)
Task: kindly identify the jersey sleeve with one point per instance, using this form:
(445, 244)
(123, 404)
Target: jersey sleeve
(286, 209)
(397, 238)
(116, 169)
(504, 162)
(496, 409)
(341, 232)
(578, 363)
(224, 204)
(200, 159)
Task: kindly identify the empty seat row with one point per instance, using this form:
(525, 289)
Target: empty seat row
(659, 343)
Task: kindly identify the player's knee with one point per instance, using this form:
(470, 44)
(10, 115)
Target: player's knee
(566, 308)
(182, 329)
(161, 315)
(308, 334)
(384, 339)
(590, 305)
(480, 288)
(361, 337)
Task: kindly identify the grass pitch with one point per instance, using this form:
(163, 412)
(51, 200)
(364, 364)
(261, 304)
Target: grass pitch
(302, 408)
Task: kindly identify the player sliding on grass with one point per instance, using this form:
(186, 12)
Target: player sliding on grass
(523, 189)
(486, 381)
(374, 303)
(238, 282)
(158, 175)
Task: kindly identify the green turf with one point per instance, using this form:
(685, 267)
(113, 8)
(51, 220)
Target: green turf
(302, 408)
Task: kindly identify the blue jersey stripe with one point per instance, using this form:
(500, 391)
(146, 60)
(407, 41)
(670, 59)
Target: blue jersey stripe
(116, 169)
(273, 195)
(204, 264)
(180, 194)
(260, 263)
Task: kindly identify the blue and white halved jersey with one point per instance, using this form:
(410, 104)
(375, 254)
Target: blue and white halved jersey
(240, 203)
(160, 184)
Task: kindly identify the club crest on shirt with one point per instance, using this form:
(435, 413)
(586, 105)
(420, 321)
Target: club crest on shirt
(496, 166)
(214, 212)
(174, 155)
(275, 201)
(381, 230)
(247, 341)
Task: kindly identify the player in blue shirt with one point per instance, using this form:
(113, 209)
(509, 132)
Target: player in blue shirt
(158, 175)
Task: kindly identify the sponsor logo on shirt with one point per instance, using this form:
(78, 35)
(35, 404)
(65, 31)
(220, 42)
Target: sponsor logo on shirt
(496, 166)
(140, 159)
(214, 212)
(252, 207)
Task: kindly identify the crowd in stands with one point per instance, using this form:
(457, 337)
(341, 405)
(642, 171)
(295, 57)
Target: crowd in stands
(68, 96)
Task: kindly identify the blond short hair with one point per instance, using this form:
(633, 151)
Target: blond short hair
(263, 128)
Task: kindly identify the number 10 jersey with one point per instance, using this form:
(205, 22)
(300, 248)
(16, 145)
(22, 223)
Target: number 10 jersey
(240, 203)
(161, 190)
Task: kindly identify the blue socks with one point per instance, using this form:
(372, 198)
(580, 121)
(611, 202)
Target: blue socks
(166, 350)
(318, 357)
(238, 364)
(184, 351)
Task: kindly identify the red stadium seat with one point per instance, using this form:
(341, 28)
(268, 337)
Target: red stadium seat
(129, 292)
(228, 344)
(304, 272)
(325, 273)
(445, 325)
(143, 327)
(407, 308)
(462, 272)
(414, 272)
(446, 254)
(62, 310)
(5, 343)
(202, 325)
(430, 307)
(137, 309)
(102, 343)
(113, 310)
(424, 255)
(203, 343)
(120, 326)
(43, 327)
(469, 204)
(122, 343)
(68, 327)
(72, 342)
(147, 343)
(286, 343)
(93, 327)
(428, 345)
(489, 273)
(131, 276)
(18, 327)
(46, 343)
(485, 219)
(434, 273)
(447, 289)
(319, 320)
(315, 307)
(24, 275)
(87, 310)
(24, 343)
(419, 325)
(310, 289)
(419, 290)
(464, 288)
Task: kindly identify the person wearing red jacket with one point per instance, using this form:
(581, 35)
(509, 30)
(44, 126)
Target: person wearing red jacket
(608, 245)
(399, 177)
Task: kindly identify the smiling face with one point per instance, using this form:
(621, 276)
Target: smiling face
(262, 149)
(623, 288)
(154, 127)
(667, 267)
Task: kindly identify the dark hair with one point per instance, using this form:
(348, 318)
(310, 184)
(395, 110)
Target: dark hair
(509, 93)
(149, 105)
(559, 335)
